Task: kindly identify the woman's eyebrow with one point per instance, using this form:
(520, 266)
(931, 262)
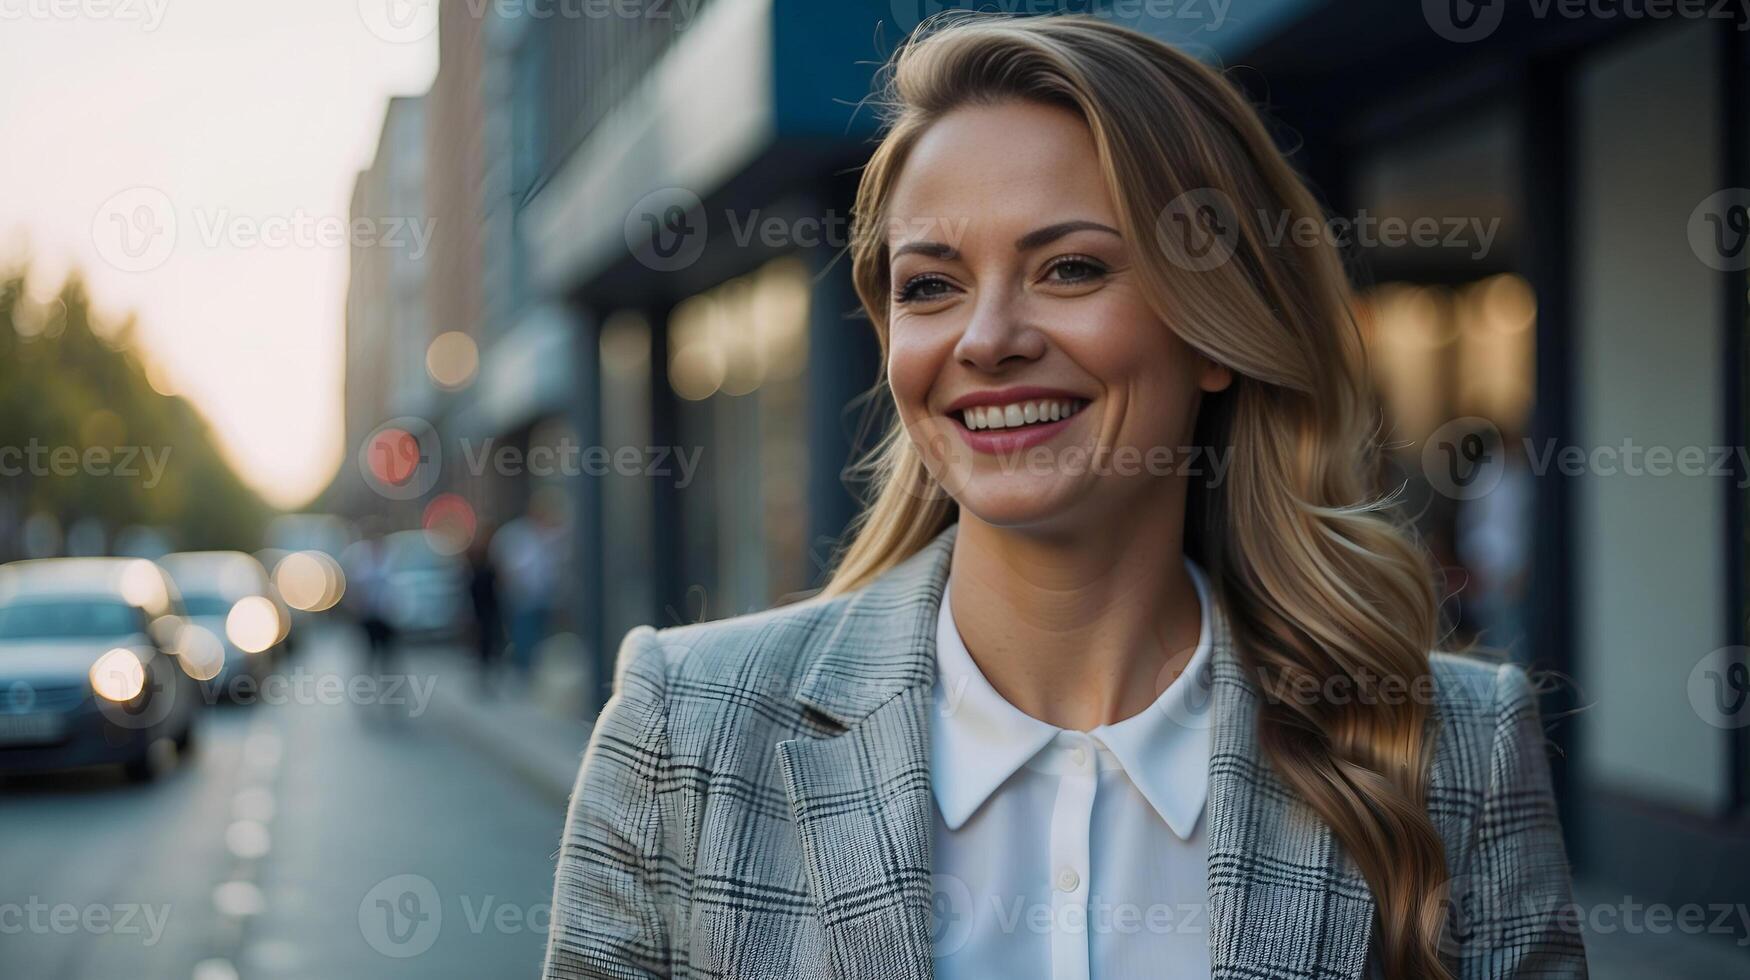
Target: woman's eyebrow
(1051, 233)
(1031, 240)
(934, 250)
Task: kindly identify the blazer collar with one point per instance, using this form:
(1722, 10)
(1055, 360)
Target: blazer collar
(1283, 897)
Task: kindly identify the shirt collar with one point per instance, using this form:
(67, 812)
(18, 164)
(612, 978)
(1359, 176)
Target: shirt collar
(978, 739)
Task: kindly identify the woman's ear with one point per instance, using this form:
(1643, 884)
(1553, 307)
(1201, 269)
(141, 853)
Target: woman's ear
(1213, 377)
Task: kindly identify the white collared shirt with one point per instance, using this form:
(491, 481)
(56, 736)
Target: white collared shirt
(1062, 854)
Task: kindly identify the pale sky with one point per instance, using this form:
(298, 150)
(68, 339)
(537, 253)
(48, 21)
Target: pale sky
(239, 119)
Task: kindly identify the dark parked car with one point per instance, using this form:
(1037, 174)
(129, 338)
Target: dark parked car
(90, 666)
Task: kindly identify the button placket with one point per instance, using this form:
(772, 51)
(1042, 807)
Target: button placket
(1071, 817)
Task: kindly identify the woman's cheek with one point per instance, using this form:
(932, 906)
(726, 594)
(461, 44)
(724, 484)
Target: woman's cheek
(911, 370)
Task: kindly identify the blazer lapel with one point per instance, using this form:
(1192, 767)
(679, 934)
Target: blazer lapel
(1284, 899)
(861, 804)
(860, 798)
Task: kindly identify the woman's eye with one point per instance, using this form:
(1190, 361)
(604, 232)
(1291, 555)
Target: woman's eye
(922, 289)
(1074, 270)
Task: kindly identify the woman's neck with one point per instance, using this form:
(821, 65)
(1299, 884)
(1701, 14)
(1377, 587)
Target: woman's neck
(1076, 630)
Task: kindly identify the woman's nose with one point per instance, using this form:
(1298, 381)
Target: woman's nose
(999, 335)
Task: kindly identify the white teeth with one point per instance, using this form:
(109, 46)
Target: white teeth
(1020, 413)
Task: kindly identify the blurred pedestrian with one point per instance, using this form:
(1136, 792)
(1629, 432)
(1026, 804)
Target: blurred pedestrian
(483, 595)
(368, 593)
(526, 554)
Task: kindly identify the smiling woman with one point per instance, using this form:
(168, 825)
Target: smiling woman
(1068, 720)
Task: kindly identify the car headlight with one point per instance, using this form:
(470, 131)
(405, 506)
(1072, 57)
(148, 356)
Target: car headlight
(118, 675)
(253, 624)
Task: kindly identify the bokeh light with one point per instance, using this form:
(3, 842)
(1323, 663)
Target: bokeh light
(449, 524)
(452, 360)
(253, 624)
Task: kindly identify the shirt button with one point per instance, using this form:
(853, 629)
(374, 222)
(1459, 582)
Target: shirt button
(1067, 879)
(1080, 755)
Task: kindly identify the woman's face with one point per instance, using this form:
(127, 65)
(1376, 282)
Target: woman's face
(1028, 370)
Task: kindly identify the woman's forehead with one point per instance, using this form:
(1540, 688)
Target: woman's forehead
(999, 170)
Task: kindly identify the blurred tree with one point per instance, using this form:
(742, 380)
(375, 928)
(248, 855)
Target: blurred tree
(83, 434)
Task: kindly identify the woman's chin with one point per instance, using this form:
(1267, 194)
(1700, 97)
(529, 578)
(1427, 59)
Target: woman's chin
(1017, 503)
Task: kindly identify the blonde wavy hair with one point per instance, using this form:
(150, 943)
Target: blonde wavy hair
(1320, 581)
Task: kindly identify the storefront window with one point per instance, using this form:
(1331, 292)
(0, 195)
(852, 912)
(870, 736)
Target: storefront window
(736, 358)
(1449, 332)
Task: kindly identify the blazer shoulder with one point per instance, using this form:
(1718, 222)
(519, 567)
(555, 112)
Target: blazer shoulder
(1476, 693)
(1484, 703)
(1479, 687)
(764, 652)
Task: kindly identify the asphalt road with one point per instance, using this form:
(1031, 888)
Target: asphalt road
(334, 829)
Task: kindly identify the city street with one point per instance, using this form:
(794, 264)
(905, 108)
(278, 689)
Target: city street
(309, 835)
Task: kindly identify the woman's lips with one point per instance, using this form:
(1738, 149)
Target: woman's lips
(1015, 426)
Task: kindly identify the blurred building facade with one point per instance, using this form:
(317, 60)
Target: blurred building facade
(649, 216)
(388, 304)
(691, 211)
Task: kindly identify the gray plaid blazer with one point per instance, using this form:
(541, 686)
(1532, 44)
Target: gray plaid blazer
(755, 802)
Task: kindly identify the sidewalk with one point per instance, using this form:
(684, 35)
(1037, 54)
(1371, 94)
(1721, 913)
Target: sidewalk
(532, 742)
